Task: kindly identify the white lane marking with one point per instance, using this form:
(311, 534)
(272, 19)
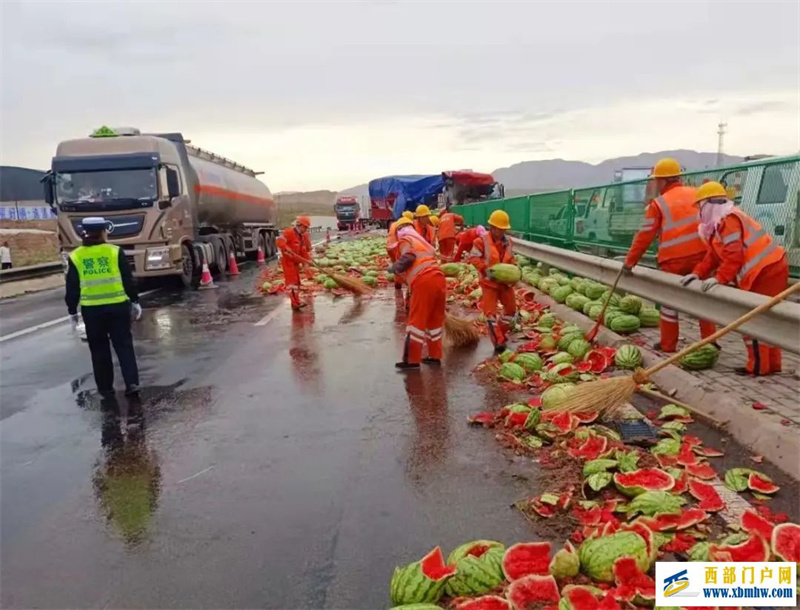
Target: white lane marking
(197, 474)
(33, 329)
(269, 317)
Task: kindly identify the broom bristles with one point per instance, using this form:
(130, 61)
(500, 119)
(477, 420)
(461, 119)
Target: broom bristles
(350, 283)
(460, 331)
(601, 396)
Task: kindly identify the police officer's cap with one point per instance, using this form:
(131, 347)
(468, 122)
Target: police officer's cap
(94, 223)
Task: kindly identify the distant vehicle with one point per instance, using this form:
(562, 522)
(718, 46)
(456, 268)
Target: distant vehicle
(348, 212)
(390, 196)
(462, 187)
(171, 206)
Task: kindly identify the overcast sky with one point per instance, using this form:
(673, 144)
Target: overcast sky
(332, 94)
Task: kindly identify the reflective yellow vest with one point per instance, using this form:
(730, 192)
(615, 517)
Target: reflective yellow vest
(98, 270)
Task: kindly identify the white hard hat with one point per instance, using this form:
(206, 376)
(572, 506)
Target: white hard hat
(94, 222)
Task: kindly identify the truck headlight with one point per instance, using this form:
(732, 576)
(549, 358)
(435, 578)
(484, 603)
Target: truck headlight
(157, 258)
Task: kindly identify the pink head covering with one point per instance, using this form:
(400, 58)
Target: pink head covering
(405, 230)
(480, 231)
(712, 213)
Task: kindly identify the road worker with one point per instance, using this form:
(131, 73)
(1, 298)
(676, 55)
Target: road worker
(741, 253)
(492, 248)
(449, 225)
(306, 222)
(409, 214)
(392, 243)
(672, 216)
(291, 243)
(423, 224)
(99, 279)
(416, 264)
(466, 239)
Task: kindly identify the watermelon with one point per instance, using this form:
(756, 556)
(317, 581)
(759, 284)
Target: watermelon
(595, 291)
(642, 480)
(530, 591)
(638, 526)
(529, 361)
(761, 484)
(594, 311)
(577, 301)
(505, 273)
(557, 394)
(578, 348)
(632, 583)
(649, 317)
(477, 572)
(710, 500)
(754, 548)
(567, 338)
(613, 298)
(422, 581)
(512, 372)
(701, 471)
(451, 269)
(562, 358)
(786, 542)
(597, 555)
(330, 284)
(580, 597)
(664, 522)
(650, 503)
(565, 563)
(628, 357)
(737, 479)
(561, 293)
(547, 344)
(588, 306)
(526, 558)
(506, 356)
(702, 358)
(561, 373)
(417, 607)
(598, 360)
(625, 324)
(485, 602)
(630, 304)
(548, 320)
(752, 523)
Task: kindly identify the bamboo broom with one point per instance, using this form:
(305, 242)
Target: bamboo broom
(352, 284)
(592, 334)
(460, 331)
(608, 395)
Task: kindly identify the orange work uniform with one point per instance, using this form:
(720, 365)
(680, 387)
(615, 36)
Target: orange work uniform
(486, 252)
(428, 231)
(428, 289)
(392, 250)
(742, 253)
(447, 233)
(465, 241)
(673, 218)
(293, 254)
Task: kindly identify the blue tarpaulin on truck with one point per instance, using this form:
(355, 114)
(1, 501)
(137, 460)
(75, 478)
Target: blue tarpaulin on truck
(406, 192)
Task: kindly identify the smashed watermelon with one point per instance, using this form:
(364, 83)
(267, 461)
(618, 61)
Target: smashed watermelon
(662, 522)
(755, 548)
(599, 361)
(761, 484)
(484, 602)
(701, 471)
(528, 591)
(753, 523)
(526, 558)
(590, 449)
(633, 584)
(786, 542)
(579, 597)
(642, 480)
(709, 499)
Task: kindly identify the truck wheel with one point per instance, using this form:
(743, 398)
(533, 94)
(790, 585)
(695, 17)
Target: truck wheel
(270, 245)
(262, 243)
(188, 267)
(221, 256)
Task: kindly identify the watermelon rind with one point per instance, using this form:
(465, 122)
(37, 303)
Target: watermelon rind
(410, 584)
(597, 555)
(786, 542)
(754, 548)
(761, 483)
(531, 590)
(477, 575)
(484, 602)
(645, 479)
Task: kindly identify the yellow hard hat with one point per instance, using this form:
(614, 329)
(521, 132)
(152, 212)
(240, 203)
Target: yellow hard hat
(408, 214)
(435, 221)
(666, 168)
(402, 221)
(500, 220)
(422, 210)
(710, 190)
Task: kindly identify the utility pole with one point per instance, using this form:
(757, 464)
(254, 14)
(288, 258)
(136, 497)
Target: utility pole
(720, 144)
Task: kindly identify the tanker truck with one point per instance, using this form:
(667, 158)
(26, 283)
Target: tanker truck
(171, 206)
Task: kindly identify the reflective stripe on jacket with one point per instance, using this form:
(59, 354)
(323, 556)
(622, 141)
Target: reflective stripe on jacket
(99, 275)
(424, 254)
(678, 236)
(447, 225)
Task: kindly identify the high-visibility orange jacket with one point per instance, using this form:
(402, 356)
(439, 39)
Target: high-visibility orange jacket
(307, 243)
(465, 241)
(291, 245)
(447, 225)
(391, 240)
(738, 251)
(673, 217)
(424, 257)
(428, 232)
(486, 252)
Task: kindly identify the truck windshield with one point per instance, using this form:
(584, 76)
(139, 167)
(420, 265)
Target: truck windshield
(127, 186)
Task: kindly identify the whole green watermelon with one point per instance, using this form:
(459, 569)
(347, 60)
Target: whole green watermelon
(532, 279)
(702, 358)
(563, 280)
(628, 357)
(562, 357)
(615, 298)
(588, 306)
(529, 361)
(451, 269)
(579, 348)
(506, 274)
(561, 293)
(625, 324)
(598, 555)
(477, 575)
(631, 304)
(548, 320)
(565, 340)
(576, 301)
(594, 311)
(649, 317)
(512, 371)
(576, 283)
(595, 291)
(555, 395)
(611, 313)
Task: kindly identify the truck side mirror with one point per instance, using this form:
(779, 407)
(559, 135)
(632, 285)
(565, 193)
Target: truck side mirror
(173, 184)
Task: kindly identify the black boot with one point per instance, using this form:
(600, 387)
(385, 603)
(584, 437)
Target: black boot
(406, 366)
(499, 349)
(434, 361)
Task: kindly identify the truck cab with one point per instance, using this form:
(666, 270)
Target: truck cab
(348, 212)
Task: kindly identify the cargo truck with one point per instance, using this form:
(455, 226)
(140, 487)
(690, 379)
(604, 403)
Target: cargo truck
(171, 206)
(348, 212)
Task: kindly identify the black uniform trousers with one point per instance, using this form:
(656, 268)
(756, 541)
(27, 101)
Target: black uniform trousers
(108, 325)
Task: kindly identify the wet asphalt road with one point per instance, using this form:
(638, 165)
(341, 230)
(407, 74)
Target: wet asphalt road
(284, 465)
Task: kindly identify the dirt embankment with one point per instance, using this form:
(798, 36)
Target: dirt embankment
(31, 241)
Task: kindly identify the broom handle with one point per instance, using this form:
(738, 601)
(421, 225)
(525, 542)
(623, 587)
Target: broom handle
(724, 331)
(608, 300)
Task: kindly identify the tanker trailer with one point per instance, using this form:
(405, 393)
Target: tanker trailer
(170, 206)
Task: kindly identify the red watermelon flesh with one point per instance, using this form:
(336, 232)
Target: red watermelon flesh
(586, 417)
(528, 591)
(484, 602)
(701, 471)
(664, 522)
(631, 581)
(434, 567)
(534, 402)
(761, 484)
(708, 452)
(581, 598)
(752, 523)
(565, 422)
(665, 461)
(516, 420)
(526, 558)
(483, 418)
(709, 499)
(641, 528)
(692, 440)
(686, 456)
(681, 484)
(598, 360)
(644, 479)
(584, 367)
(591, 449)
(755, 548)
(786, 542)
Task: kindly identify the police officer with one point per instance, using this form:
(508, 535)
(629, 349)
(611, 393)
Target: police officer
(99, 278)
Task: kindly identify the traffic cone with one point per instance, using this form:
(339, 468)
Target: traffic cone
(206, 281)
(261, 260)
(233, 267)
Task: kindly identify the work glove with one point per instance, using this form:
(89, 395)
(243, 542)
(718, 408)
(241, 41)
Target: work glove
(74, 320)
(627, 269)
(709, 284)
(688, 279)
(136, 311)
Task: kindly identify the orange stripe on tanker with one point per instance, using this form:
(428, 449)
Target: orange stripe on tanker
(228, 194)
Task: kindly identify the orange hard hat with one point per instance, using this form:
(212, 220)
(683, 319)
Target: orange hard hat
(304, 221)
(666, 168)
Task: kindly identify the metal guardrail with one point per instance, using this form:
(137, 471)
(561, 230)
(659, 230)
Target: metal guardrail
(780, 326)
(33, 271)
